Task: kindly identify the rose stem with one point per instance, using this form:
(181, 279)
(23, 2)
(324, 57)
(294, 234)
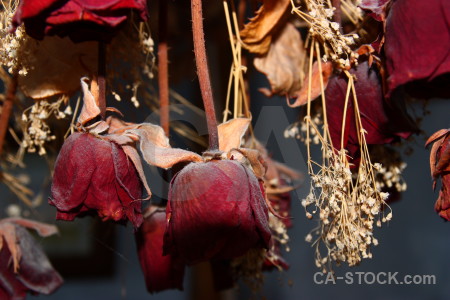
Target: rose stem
(7, 109)
(101, 80)
(203, 73)
(163, 70)
(337, 13)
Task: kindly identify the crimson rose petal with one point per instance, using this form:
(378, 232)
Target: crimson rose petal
(417, 39)
(216, 210)
(161, 272)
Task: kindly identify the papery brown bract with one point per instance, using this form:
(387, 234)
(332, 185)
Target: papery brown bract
(384, 121)
(283, 62)
(216, 210)
(81, 20)
(160, 272)
(258, 33)
(416, 44)
(440, 168)
(95, 175)
(35, 274)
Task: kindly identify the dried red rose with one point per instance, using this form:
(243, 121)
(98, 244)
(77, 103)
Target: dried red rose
(93, 174)
(416, 45)
(384, 121)
(160, 272)
(81, 20)
(216, 210)
(440, 167)
(24, 268)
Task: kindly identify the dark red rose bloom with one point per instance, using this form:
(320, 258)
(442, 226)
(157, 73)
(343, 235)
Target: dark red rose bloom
(385, 121)
(440, 168)
(34, 275)
(216, 210)
(79, 19)
(160, 272)
(95, 175)
(416, 45)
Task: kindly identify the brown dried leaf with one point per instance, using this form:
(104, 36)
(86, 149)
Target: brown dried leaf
(254, 158)
(231, 133)
(316, 91)
(437, 135)
(283, 62)
(134, 156)
(90, 108)
(437, 139)
(56, 65)
(42, 229)
(156, 149)
(257, 34)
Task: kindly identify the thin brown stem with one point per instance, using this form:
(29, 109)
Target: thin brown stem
(203, 73)
(163, 67)
(101, 78)
(7, 109)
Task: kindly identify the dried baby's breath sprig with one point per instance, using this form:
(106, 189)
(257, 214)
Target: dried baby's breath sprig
(298, 130)
(347, 202)
(36, 130)
(324, 30)
(12, 54)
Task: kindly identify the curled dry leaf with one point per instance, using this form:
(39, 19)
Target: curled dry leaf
(90, 108)
(156, 149)
(231, 133)
(55, 65)
(31, 270)
(257, 34)
(440, 168)
(283, 63)
(416, 45)
(316, 90)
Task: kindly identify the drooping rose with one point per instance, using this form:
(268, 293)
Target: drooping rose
(416, 46)
(98, 169)
(160, 272)
(216, 210)
(81, 20)
(440, 168)
(95, 175)
(384, 121)
(24, 267)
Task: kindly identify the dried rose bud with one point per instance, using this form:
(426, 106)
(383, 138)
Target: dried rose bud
(80, 19)
(216, 210)
(24, 267)
(93, 174)
(160, 272)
